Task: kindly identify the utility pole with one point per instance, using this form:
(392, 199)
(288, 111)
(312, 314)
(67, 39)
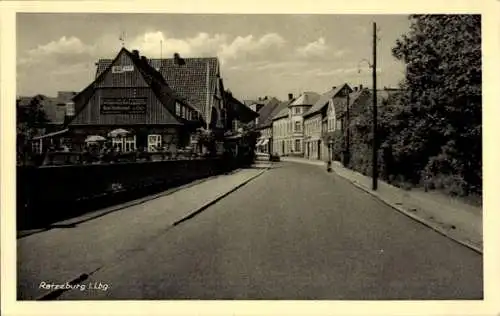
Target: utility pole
(347, 119)
(375, 147)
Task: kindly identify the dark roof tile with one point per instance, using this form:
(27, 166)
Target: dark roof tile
(266, 111)
(188, 80)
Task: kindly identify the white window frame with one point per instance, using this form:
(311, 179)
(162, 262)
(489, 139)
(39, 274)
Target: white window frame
(177, 109)
(297, 127)
(129, 143)
(154, 140)
(36, 146)
(119, 143)
(338, 125)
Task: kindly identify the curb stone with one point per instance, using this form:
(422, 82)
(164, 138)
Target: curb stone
(217, 199)
(427, 222)
(433, 225)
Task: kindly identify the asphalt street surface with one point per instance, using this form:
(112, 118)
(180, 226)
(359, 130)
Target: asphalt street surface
(296, 232)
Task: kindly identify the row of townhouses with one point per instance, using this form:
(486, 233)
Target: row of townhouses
(302, 126)
(146, 103)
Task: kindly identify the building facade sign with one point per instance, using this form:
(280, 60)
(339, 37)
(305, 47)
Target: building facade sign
(120, 69)
(123, 105)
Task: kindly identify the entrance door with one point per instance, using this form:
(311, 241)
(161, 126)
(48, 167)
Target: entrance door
(319, 150)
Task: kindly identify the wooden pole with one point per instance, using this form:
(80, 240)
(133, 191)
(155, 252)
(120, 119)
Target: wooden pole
(375, 144)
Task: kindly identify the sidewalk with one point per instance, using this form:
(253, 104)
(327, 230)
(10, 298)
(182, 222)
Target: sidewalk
(450, 217)
(60, 255)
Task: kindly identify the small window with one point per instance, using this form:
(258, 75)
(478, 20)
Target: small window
(297, 126)
(177, 109)
(129, 144)
(70, 109)
(154, 142)
(35, 146)
(297, 110)
(297, 145)
(339, 125)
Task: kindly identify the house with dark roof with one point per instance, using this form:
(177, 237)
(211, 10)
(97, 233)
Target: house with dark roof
(265, 126)
(130, 96)
(196, 81)
(50, 132)
(322, 117)
(237, 112)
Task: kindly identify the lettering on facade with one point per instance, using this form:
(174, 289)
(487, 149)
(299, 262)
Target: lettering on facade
(120, 69)
(123, 105)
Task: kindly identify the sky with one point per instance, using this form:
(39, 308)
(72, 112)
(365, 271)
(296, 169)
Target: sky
(260, 54)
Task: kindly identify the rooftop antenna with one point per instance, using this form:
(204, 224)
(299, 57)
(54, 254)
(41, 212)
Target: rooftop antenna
(122, 39)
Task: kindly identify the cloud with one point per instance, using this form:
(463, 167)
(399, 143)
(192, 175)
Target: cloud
(57, 50)
(204, 44)
(313, 49)
(241, 47)
(200, 45)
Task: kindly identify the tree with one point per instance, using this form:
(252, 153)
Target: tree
(30, 119)
(437, 128)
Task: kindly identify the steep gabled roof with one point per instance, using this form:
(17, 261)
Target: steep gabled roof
(239, 110)
(188, 79)
(282, 113)
(306, 98)
(324, 99)
(282, 107)
(152, 77)
(266, 111)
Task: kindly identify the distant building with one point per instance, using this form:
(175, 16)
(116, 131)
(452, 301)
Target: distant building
(264, 126)
(322, 118)
(51, 132)
(280, 131)
(288, 124)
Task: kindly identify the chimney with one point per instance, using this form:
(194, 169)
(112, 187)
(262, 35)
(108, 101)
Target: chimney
(360, 87)
(135, 53)
(334, 87)
(144, 59)
(290, 96)
(178, 60)
(265, 98)
(355, 89)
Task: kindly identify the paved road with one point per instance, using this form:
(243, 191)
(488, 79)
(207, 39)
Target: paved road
(295, 232)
